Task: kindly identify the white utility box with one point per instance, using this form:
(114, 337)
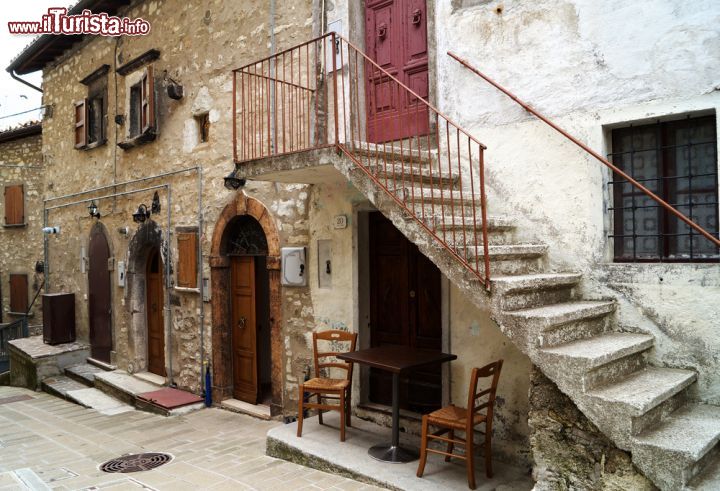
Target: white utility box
(294, 269)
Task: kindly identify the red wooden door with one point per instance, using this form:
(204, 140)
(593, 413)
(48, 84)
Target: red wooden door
(396, 38)
(244, 329)
(405, 310)
(155, 319)
(99, 308)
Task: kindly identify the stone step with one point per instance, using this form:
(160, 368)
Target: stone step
(641, 391)
(393, 175)
(407, 152)
(123, 386)
(534, 282)
(672, 453)
(707, 479)
(585, 354)
(549, 316)
(83, 373)
(60, 385)
(525, 291)
(96, 399)
(507, 252)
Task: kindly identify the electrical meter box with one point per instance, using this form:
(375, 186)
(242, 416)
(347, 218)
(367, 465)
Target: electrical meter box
(294, 269)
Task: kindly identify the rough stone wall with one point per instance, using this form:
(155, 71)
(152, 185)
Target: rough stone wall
(588, 66)
(21, 162)
(199, 44)
(569, 451)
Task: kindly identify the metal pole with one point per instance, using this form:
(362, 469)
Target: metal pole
(133, 181)
(168, 310)
(201, 288)
(106, 196)
(46, 252)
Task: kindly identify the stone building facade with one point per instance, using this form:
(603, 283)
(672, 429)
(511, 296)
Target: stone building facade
(147, 141)
(21, 177)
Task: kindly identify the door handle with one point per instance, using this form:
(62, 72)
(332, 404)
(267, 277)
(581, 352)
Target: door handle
(417, 15)
(241, 323)
(382, 31)
(412, 293)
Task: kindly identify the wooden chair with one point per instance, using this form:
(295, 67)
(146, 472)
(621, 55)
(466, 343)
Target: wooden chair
(453, 418)
(328, 388)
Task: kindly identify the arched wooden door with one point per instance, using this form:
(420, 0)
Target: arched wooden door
(154, 309)
(244, 329)
(99, 307)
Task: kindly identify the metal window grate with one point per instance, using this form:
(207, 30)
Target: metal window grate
(678, 161)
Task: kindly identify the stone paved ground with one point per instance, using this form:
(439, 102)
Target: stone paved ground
(63, 444)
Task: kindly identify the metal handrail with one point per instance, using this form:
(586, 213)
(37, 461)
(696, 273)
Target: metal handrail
(322, 93)
(9, 331)
(614, 168)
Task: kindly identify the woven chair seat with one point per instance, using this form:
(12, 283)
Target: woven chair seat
(452, 416)
(322, 383)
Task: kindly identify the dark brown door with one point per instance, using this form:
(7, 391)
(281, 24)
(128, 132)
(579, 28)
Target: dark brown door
(155, 320)
(396, 38)
(99, 297)
(244, 329)
(405, 310)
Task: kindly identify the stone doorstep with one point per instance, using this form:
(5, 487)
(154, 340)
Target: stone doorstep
(83, 373)
(320, 448)
(261, 411)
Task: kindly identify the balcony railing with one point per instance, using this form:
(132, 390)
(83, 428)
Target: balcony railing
(328, 93)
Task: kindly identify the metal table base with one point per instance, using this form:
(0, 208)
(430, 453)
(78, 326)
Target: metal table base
(393, 452)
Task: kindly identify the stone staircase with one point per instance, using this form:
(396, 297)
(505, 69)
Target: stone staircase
(111, 391)
(577, 342)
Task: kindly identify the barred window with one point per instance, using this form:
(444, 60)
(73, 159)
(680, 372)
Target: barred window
(677, 160)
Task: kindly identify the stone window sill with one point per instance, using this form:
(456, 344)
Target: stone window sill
(15, 225)
(21, 314)
(136, 141)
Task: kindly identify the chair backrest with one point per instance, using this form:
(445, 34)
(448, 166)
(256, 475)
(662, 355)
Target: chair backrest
(335, 339)
(483, 398)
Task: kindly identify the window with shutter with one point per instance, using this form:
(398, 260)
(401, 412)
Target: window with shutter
(187, 259)
(18, 293)
(147, 92)
(14, 205)
(81, 110)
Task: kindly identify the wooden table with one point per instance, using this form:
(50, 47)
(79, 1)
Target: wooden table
(397, 360)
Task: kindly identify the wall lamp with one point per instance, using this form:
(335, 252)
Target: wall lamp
(141, 214)
(233, 182)
(93, 209)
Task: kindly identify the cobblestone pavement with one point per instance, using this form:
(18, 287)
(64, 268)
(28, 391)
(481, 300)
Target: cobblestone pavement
(48, 440)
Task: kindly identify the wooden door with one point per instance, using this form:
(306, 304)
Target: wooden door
(155, 319)
(244, 329)
(405, 310)
(99, 307)
(396, 39)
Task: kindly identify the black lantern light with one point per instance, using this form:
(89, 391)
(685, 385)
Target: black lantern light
(141, 214)
(93, 209)
(155, 206)
(233, 182)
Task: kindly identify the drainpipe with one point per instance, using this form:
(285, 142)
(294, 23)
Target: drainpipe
(168, 310)
(12, 74)
(46, 251)
(200, 284)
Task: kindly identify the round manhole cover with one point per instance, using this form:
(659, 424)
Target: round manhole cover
(136, 462)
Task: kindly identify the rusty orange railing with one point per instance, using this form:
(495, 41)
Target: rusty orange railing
(661, 202)
(326, 92)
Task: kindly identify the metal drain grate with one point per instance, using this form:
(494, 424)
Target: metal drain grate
(136, 462)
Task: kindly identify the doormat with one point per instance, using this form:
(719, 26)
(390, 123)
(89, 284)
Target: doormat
(6, 400)
(136, 462)
(170, 398)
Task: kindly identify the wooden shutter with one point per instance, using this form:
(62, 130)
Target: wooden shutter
(14, 205)
(18, 293)
(187, 259)
(147, 98)
(81, 127)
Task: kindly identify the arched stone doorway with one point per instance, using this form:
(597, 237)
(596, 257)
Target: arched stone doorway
(236, 249)
(145, 247)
